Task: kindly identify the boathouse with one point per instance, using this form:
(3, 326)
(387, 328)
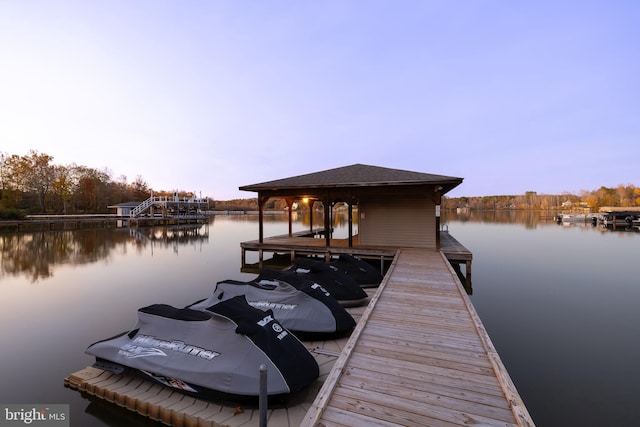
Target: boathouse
(396, 208)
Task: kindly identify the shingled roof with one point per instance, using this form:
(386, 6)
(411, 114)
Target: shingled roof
(357, 175)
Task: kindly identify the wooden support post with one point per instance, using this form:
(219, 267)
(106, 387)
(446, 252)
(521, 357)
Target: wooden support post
(290, 201)
(260, 218)
(327, 220)
(437, 199)
(350, 204)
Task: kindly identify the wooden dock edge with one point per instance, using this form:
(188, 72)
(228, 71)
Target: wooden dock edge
(513, 397)
(317, 407)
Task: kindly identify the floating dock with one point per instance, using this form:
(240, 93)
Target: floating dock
(419, 356)
(176, 409)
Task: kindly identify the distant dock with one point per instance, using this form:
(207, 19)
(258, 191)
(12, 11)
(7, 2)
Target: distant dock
(70, 222)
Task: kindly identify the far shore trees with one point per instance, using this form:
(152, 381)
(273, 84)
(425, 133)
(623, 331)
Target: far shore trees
(620, 196)
(32, 183)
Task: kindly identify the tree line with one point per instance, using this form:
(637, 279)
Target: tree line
(32, 183)
(620, 196)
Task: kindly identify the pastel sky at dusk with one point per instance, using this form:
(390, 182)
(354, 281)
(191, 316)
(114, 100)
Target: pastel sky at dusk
(208, 96)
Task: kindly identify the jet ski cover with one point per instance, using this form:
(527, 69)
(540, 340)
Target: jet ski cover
(358, 269)
(343, 287)
(217, 350)
(308, 312)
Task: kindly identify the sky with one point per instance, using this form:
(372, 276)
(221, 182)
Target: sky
(208, 96)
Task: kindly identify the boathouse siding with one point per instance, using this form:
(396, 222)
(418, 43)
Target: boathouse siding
(399, 221)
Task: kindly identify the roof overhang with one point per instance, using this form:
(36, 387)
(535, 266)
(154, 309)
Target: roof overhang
(355, 179)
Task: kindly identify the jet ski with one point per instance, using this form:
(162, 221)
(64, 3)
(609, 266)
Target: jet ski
(358, 269)
(210, 353)
(308, 311)
(343, 287)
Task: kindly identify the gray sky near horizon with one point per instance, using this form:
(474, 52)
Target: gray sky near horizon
(208, 96)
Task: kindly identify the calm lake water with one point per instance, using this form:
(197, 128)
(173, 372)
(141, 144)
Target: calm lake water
(559, 302)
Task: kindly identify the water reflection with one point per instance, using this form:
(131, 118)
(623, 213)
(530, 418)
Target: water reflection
(529, 218)
(34, 255)
(560, 303)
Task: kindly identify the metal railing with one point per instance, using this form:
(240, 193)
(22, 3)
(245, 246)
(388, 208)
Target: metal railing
(164, 200)
(142, 207)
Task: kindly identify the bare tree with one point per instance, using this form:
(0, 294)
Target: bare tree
(40, 176)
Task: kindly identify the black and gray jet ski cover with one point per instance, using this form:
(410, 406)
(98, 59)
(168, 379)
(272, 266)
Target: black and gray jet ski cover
(358, 269)
(309, 312)
(218, 350)
(342, 286)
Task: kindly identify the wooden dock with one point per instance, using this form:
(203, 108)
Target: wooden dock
(307, 243)
(419, 356)
(75, 222)
(303, 243)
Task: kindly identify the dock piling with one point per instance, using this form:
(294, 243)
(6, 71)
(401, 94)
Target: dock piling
(262, 404)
